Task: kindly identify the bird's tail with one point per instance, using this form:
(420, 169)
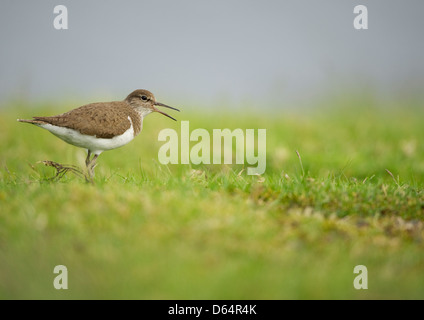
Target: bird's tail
(36, 122)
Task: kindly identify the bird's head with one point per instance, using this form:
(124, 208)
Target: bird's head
(144, 102)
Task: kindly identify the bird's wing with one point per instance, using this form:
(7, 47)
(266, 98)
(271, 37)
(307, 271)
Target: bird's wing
(97, 119)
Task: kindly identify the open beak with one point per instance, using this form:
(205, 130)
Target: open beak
(164, 105)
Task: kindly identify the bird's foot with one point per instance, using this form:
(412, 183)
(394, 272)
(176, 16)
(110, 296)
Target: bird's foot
(61, 169)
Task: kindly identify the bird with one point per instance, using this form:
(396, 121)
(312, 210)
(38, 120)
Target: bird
(102, 126)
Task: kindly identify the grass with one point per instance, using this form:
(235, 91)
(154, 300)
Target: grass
(343, 187)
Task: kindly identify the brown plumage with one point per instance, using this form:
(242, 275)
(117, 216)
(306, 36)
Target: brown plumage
(103, 119)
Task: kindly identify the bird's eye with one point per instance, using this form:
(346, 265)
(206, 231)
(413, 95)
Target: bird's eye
(144, 98)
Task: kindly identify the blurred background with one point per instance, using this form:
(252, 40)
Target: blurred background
(257, 53)
(345, 151)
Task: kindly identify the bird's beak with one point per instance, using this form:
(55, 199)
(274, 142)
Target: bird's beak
(164, 105)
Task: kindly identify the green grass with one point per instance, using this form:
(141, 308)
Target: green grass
(150, 231)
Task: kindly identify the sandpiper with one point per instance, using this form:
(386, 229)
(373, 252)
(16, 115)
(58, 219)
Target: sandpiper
(102, 126)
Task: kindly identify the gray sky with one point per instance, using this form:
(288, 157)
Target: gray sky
(209, 50)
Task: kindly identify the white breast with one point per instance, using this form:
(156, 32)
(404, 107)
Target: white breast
(95, 145)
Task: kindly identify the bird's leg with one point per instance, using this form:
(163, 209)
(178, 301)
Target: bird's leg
(91, 164)
(87, 160)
